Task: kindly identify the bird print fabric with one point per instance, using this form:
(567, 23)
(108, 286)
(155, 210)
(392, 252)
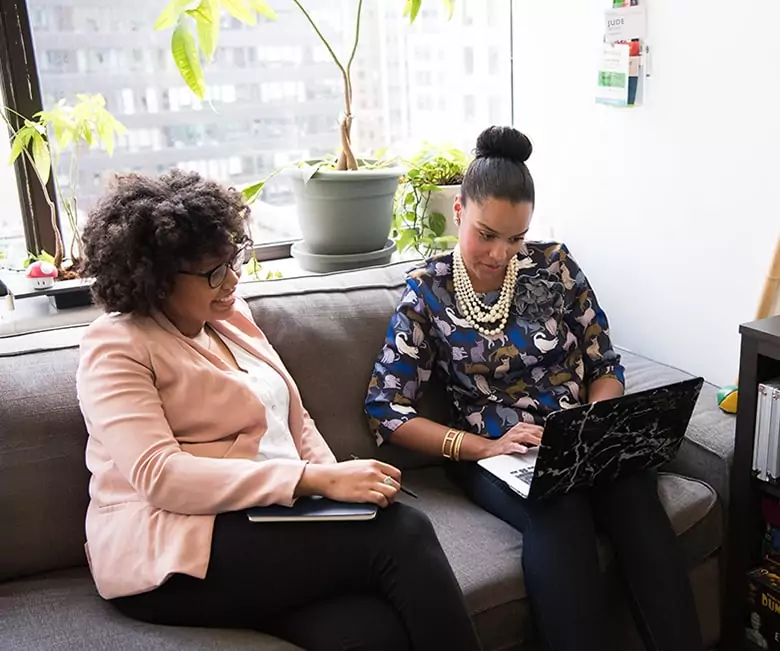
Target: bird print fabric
(555, 343)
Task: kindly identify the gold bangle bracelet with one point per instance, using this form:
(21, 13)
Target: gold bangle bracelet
(448, 444)
(456, 453)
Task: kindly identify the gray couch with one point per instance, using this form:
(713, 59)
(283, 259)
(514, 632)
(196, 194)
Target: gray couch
(327, 329)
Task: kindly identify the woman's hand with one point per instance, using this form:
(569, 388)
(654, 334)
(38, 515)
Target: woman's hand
(515, 441)
(365, 480)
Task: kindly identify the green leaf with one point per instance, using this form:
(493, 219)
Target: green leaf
(411, 9)
(263, 8)
(407, 239)
(207, 18)
(105, 133)
(252, 192)
(41, 157)
(437, 223)
(239, 11)
(409, 199)
(187, 59)
(450, 6)
(309, 171)
(170, 15)
(21, 140)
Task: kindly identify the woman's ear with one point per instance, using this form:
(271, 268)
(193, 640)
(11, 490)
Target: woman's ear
(457, 209)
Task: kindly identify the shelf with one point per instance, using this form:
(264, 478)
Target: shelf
(769, 489)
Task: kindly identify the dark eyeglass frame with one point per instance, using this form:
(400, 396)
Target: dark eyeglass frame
(217, 275)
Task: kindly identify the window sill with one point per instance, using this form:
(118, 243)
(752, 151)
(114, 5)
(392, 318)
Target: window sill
(37, 314)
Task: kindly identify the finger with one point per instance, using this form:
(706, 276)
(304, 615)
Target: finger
(530, 437)
(388, 470)
(387, 489)
(378, 499)
(517, 448)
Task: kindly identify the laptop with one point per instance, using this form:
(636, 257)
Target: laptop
(599, 442)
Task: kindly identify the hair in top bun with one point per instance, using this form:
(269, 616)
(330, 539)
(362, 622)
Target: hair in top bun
(504, 142)
(498, 170)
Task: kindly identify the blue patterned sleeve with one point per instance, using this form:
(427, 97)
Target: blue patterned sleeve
(589, 323)
(402, 367)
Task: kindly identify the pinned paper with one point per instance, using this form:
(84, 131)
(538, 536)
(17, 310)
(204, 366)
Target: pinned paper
(613, 74)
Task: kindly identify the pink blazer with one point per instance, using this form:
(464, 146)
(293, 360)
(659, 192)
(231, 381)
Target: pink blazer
(173, 433)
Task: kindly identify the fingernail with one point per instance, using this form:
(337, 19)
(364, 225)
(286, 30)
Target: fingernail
(523, 449)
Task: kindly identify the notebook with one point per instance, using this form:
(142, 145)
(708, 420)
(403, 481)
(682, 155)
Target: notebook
(601, 441)
(313, 509)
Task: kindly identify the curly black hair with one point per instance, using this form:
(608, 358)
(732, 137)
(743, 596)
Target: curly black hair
(145, 228)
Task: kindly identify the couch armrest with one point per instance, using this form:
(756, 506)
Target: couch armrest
(708, 448)
(707, 451)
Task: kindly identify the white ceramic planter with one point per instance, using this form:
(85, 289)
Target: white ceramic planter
(441, 202)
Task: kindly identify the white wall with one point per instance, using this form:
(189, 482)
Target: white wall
(671, 209)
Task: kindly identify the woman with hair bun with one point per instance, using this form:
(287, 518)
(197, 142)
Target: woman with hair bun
(514, 330)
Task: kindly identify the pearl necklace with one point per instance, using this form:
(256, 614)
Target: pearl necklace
(472, 307)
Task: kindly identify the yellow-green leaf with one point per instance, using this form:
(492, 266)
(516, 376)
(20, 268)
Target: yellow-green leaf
(18, 145)
(251, 192)
(187, 59)
(41, 157)
(263, 8)
(450, 6)
(239, 11)
(207, 18)
(170, 15)
(105, 131)
(411, 9)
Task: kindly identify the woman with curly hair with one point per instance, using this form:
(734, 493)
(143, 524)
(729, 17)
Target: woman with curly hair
(514, 330)
(192, 418)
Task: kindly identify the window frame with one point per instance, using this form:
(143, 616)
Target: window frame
(22, 93)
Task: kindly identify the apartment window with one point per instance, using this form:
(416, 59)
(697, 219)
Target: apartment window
(468, 60)
(12, 242)
(469, 108)
(277, 94)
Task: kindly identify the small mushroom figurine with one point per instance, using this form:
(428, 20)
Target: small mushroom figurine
(42, 274)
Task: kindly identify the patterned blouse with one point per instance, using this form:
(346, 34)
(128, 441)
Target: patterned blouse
(555, 344)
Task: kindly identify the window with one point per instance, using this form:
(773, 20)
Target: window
(273, 92)
(12, 244)
(468, 60)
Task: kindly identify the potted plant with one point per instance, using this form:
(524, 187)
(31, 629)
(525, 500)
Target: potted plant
(84, 124)
(423, 218)
(345, 203)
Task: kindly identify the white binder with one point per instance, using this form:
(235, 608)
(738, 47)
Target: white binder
(766, 444)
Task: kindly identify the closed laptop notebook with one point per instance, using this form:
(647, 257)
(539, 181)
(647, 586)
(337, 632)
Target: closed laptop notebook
(313, 509)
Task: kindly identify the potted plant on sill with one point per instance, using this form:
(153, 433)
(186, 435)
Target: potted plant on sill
(345, 203)
(423, 217)
(84, 124)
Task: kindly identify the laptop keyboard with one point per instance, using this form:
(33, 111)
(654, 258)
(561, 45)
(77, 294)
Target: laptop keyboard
(523, 474)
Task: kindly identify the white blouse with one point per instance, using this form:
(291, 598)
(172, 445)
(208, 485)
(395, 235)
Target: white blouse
(271, 389)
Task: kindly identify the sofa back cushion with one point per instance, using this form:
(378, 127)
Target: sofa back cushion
(43, 479)
(328, 331)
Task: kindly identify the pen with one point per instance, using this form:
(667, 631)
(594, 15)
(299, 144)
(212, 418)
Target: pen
(403, 489)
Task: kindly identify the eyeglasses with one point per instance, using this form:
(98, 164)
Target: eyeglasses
(217, 275)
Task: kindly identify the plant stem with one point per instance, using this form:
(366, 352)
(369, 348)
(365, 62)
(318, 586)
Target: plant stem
(354, 49)
(346, 158)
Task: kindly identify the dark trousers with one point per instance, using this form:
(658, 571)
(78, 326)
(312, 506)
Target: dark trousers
(381, 585)
(561, 565)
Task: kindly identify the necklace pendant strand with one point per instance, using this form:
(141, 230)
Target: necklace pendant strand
(477, 313)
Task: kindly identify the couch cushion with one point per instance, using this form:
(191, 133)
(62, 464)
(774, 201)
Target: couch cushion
(62, 611)
(43, 479)
(486, 553)
(708, 448)
(328, 330)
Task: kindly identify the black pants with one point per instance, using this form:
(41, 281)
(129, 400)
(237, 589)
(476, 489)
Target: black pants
(561, 565)
(381, 585)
